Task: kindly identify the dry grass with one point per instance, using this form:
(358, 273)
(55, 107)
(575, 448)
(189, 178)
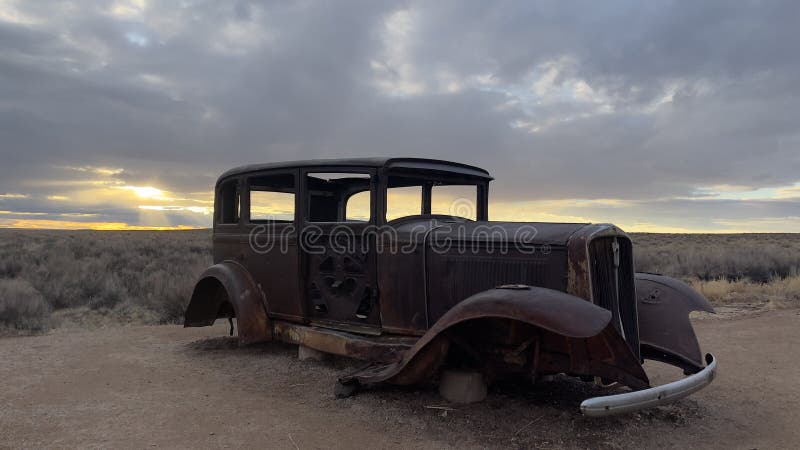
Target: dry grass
(777, 293)
(97, 278)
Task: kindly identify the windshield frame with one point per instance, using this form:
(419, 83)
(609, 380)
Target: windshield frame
(428, 179)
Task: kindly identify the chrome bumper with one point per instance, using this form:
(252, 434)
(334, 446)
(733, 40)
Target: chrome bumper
(647, 398)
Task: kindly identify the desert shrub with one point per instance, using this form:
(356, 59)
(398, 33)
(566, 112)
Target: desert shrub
(22, 306)
(10, 268)
(140, 274)
(758, 257)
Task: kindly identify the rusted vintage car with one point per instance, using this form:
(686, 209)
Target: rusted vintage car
(394, 261)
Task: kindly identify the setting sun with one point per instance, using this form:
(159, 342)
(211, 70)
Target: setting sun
(148, 192)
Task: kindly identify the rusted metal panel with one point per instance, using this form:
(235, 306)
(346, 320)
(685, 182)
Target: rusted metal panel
(513, 233)
(342, 287)
(401, 277)
(270, 251)
(366, 348)
(229, 283)
(572, 336)
(666, 332)
(578, 276)
(416, 164)
(454, 277)
(277, 263)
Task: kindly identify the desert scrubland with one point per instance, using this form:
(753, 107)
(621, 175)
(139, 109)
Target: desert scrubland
(92, 278)
(82, 380)
(755, 269)
(51, 279)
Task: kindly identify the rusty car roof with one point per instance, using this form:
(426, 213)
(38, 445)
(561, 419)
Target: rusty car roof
(390, 163)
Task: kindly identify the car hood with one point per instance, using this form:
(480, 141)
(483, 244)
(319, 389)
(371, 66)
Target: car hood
(540, 233)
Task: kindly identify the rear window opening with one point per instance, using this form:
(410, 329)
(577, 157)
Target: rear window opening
(228, 202)
(272, 198)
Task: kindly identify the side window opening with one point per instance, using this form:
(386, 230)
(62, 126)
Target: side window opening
(455, 200)
(358, 207)
(339, 197)
(229, 202)
(403, 201)
(272, 198)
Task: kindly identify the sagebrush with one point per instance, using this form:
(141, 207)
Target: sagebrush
(127, 274)
(22, 307)
(756, 257)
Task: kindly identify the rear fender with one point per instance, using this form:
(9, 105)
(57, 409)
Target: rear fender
(520, 329)
(224, 287)
(665, 332)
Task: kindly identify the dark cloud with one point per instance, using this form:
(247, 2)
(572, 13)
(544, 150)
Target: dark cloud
(642, 102)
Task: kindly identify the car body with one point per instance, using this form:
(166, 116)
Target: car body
(394, 261)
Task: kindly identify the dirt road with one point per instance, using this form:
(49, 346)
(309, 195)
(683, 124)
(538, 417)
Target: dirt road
(167, 386)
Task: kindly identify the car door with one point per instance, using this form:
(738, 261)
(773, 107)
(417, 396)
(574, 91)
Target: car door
(338, 249)
(269, 202)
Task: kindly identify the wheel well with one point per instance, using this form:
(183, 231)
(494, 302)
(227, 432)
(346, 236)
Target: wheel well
(210, 301)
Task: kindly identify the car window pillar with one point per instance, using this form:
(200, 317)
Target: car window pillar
(427, 190)
(483, 202)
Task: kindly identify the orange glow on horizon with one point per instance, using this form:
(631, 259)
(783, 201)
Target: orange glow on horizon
(46, 224)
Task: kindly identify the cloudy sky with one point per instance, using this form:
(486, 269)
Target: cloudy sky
(657, 116)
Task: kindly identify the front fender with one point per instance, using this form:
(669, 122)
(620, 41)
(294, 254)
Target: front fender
(519, 328)
(229, 282)
(665, 332)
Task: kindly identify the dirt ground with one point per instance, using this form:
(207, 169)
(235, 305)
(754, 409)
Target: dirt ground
(166, 386)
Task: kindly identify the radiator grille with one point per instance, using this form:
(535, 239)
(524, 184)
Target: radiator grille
(613, 285)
